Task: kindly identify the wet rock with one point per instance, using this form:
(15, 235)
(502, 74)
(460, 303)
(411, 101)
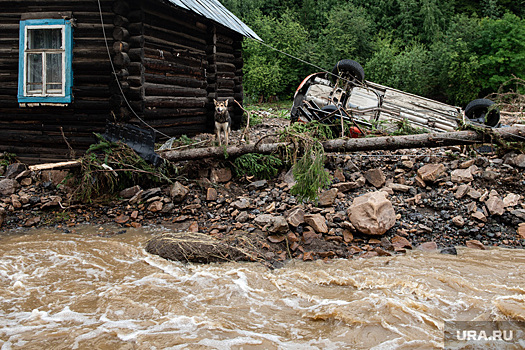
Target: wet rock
(462, 175)
(276, 238)
(399, 187)
(258, 185)
(271, 223)
(122, 219)
(495, 205)
(32, 221)
(490, 175)
(375, 177)
(372, 213)
(479, 216)
(428, 246)
(168, 207)
(3, 215)
(449, 250)
(178, 192)
(461, 191)
(242, 217)
(407, 164)
(317, 222)
(458, 221)
(511, 200)
(52, 201)
(381, 252)
(296, 217)
(399, 242)
(136, 198)
(519, 161)
(241, 203)
(129, 192)
(519, 213)
(344, 187)
(339, 175)
(348, 237)
(350, 166)
(431, 172)
(521, 230)
(467, 164)
(474, 194)
(8, 186)
(13, 170)
(221, 175)
(27, 181)
(475, 244)
(211, 194)
(152, 192)
(327, 198)
(155, 206)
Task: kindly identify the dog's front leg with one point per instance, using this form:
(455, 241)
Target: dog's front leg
(218, 132)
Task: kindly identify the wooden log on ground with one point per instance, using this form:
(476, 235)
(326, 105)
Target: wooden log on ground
(359, 144)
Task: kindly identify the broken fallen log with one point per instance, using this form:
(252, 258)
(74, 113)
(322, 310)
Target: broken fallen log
(455, 138)
(201, 248)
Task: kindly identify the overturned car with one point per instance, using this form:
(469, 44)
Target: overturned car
(344, 95)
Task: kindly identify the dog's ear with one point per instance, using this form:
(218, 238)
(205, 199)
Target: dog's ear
(215, 101)
(226, 103)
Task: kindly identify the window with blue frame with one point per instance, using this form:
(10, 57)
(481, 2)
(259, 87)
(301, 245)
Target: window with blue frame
(46, 52)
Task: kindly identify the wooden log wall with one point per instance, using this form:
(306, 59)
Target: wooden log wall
(36, 134)
(169, 66)
(225, 69)
(167, 69)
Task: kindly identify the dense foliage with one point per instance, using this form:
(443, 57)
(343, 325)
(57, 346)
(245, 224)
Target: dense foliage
(449, 50)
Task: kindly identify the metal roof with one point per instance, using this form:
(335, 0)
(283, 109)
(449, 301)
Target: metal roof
(214, 10)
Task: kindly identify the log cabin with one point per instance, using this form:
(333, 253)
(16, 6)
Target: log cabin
(69, 67)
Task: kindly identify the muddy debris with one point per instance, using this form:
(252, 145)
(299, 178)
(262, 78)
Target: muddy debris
(431, 199)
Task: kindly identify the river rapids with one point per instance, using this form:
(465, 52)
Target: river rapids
(88, 291)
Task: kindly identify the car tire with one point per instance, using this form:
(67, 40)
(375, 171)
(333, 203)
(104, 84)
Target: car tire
(349, 68)
(480, 110)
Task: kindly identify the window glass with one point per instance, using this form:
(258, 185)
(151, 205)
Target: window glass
(44, 39)
(53, 72)
(34, 73)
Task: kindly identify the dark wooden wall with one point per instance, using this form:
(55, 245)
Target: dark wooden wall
(178, 63)
(34, 133)
(169, 63)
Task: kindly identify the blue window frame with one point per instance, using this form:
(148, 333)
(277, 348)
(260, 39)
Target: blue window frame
(46, 53)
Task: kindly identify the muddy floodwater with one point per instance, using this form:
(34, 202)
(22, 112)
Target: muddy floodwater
(85, 291)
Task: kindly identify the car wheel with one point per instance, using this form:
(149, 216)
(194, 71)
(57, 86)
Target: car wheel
(349, 69)
(480, 111)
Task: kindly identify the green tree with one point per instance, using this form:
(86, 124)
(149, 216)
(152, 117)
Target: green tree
(501, 50)
(348, 34)
(269, 72)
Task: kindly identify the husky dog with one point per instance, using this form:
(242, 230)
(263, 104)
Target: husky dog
(223, 120)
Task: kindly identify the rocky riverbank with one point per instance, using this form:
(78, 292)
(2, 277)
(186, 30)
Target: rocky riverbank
(431, 199)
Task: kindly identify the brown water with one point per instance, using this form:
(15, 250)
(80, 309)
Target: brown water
(82, 291)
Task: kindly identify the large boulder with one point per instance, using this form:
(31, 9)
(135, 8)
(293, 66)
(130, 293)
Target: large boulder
(372, 213)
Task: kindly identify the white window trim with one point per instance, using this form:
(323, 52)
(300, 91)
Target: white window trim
(44, 80)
